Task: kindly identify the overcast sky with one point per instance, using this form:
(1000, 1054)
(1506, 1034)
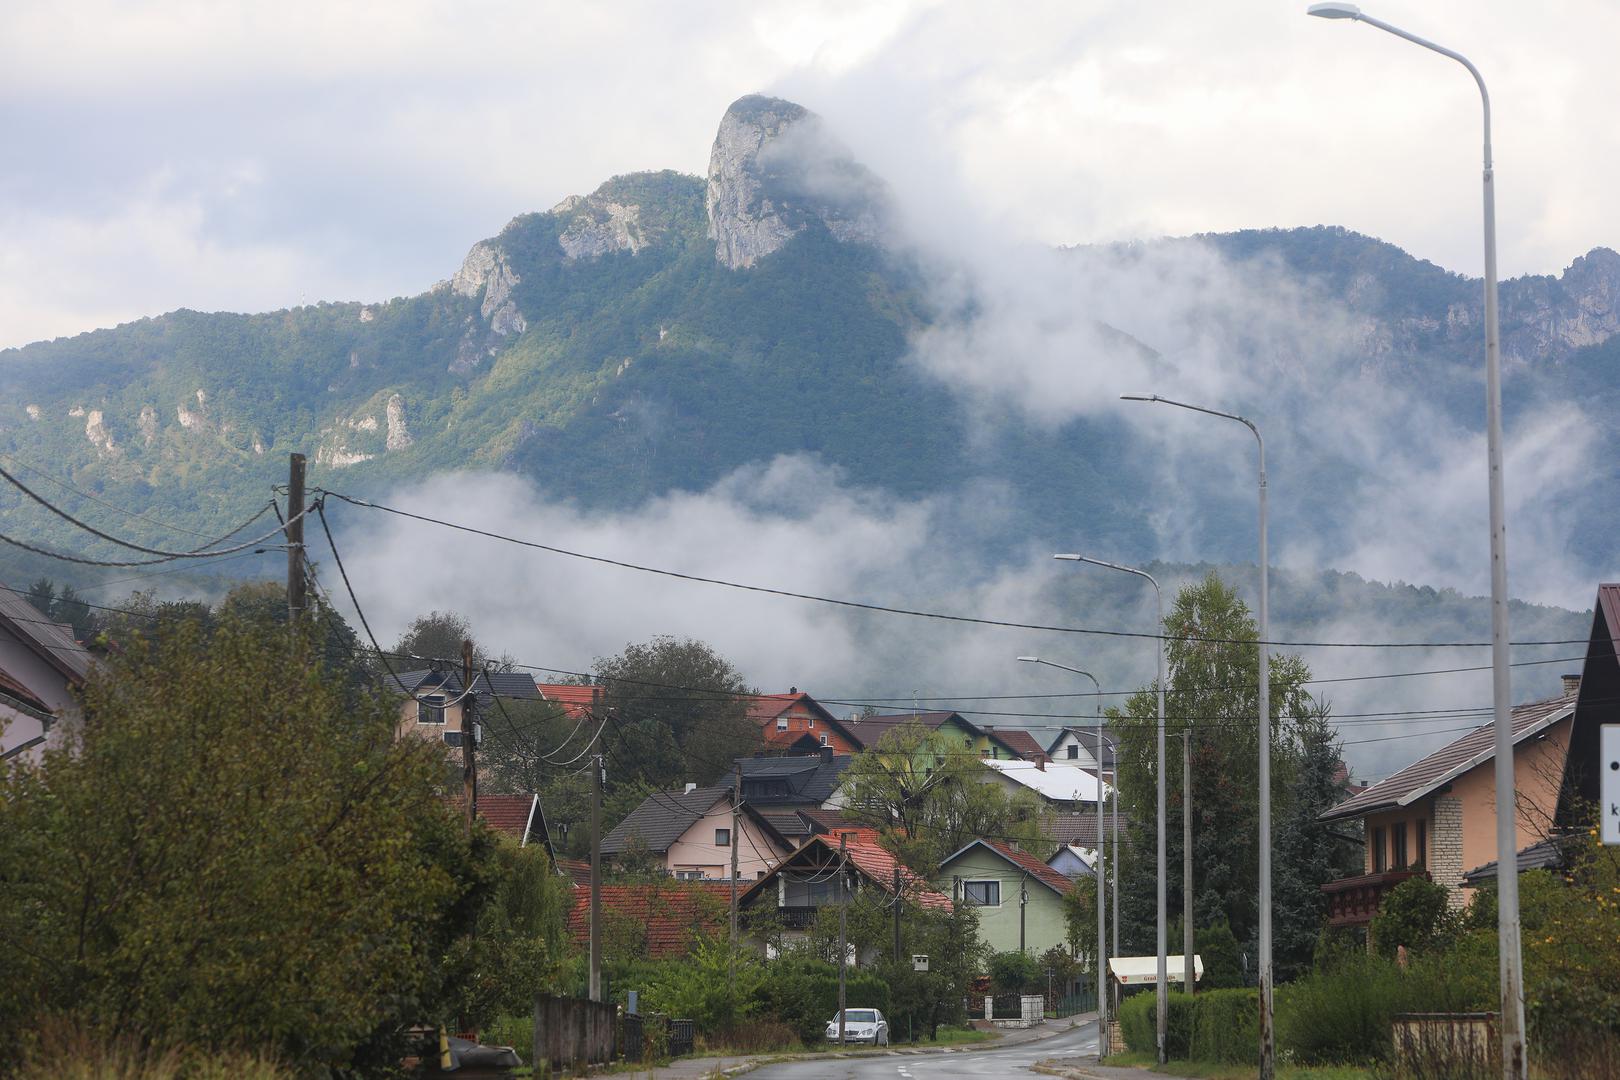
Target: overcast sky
(250, 156)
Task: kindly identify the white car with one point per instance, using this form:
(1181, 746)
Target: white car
(861, 1025)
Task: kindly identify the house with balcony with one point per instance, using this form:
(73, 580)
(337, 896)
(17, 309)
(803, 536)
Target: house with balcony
(819, 873)
(1437, 817)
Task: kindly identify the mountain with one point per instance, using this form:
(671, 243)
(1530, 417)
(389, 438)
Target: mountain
(665, 329)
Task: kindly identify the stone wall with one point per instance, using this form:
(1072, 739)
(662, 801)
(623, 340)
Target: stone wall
(1446, 848)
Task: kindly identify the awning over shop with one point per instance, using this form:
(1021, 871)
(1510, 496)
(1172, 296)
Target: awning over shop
(1144, 970)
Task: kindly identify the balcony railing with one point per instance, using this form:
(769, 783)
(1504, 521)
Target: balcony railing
(796, 917)
(1354, 901)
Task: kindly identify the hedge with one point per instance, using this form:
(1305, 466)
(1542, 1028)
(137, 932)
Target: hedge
(1226, 1026)
(1139, 1022)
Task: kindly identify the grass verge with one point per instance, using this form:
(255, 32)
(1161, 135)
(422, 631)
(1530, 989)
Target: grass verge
(1204, 1070)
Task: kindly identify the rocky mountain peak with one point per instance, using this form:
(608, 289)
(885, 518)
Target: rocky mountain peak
(774, 170)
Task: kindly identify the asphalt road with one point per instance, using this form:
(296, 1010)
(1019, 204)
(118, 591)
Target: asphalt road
(1012, 1061)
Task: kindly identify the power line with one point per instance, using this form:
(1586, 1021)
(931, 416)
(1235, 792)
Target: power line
(912, 612)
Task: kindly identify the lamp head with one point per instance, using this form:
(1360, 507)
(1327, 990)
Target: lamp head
(1029, 659)
(1070, 558)
(1334, 11)
(1139, 397)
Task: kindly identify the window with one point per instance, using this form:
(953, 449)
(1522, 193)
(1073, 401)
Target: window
(688, 875)
(1074, 751)
(781, 723)
(1397, 836)
(430, 710)
(1380, 862)
(722, 838)
(982, 893)
(759, 875)
(811, 723)
(1421, 833)
(985, 752)
(823, 738)
(967, 741)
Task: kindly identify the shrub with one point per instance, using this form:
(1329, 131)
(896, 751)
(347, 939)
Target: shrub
(1139, 1022)
(1226, 1026)
(803, 993)
(1016, 973)
(1218, 948)
(61, 1051)
(1416, 913)
(711, 986)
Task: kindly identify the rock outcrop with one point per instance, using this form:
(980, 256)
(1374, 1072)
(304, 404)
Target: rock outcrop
(398, 437)
(486, 270)
(598, 227)
(774, 170)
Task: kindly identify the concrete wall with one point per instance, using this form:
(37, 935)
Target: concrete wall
(1044, 925)
(696, 849)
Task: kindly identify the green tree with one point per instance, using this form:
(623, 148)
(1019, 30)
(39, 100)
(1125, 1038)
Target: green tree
(1416, 914)
(928, 799)
(232, 850)
(679, 712)
(1212, 690)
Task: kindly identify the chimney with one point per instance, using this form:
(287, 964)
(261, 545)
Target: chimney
(826, 755)
(1040, 763)
(1572, 684)
(690, 787)
(793, 689)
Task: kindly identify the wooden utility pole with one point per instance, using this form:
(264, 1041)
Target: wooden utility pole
(596, 878)
(736, 838)
(469, 729)
(897, 914)
(1188, 974)
(295, 537)
(843, 912)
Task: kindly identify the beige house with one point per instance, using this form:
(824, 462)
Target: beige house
(1437, 816)
(692, 834)
(434, 706)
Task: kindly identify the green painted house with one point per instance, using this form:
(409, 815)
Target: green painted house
(1020, 898)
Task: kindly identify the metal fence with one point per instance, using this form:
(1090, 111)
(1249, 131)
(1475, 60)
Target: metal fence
(1062, 1005)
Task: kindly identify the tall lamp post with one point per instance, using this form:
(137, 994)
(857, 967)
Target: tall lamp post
(1267, 1039)
(1510, 968)
(1102, 862)
(1164, 966)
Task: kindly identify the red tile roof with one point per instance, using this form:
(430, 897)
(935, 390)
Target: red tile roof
(574, 699)
(507, 814)
(672, 913)
(1451, 760)
(874, 861)
(1036, 869)
(764, 707)
(577, 869)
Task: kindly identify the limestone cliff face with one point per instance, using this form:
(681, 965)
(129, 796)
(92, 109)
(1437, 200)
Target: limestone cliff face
(774, 170)
(486, 270)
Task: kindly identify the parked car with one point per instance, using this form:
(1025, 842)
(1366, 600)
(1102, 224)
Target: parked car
(861, 1025)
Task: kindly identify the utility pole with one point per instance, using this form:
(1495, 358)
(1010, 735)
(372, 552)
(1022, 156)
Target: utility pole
(295, 537)
(1188, 974)
(469, 737)
(596, 878)
(1099, 979)
(843, 914)
(736, 838)
(1023, 902)
(897, 914)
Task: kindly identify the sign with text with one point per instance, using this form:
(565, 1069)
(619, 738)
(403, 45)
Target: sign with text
(1609, 763)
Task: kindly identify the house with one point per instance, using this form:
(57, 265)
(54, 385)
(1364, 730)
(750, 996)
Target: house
(1085, 747)
(817, 874)
(1075, 862)
(1437, 816)
(793, 782)
(575, 701)
(657, 920)
(1020, 742)
(868, 730)
(796, 719)
(434, 705)
(41, 670)
(519, 817)
(691, 833)
(1019, 897)
(1062, 787)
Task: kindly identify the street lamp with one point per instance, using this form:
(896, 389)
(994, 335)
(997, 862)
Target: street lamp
(1510, 968)
(1113, 746)
(1267, 1039)
(1163, 968)
(1101, 871)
